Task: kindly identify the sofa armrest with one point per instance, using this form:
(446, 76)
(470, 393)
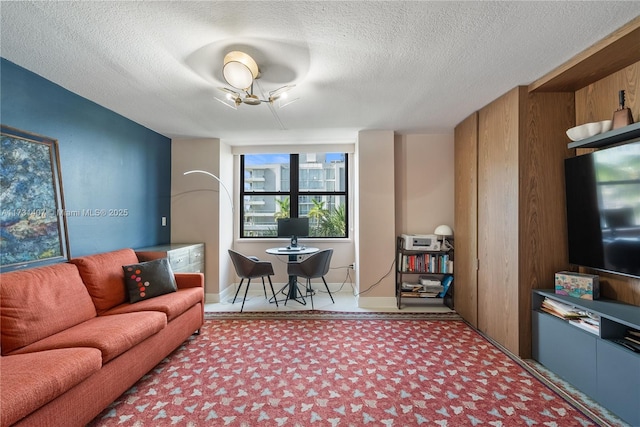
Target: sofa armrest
(189, 280)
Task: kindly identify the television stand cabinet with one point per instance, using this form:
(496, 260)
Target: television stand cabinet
(602, 369)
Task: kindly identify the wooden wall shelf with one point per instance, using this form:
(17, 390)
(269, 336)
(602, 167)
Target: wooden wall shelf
(613, 53)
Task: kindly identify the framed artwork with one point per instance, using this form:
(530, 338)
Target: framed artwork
(33, 229)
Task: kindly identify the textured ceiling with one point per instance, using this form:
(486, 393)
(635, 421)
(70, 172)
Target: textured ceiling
(411, 67)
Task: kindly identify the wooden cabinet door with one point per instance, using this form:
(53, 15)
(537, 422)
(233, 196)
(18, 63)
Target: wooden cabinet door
(498, 136)
(509, 210)
(466, 214)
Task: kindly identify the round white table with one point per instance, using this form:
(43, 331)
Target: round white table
(293, 256)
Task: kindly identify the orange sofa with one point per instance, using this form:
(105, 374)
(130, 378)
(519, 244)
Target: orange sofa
(72, 342)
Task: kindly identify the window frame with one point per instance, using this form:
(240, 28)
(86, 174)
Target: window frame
(294, 194)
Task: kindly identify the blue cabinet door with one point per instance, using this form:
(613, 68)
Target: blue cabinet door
(566, 350)
(619, 381)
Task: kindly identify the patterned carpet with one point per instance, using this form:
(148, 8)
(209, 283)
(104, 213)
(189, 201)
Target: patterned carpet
(334, 371)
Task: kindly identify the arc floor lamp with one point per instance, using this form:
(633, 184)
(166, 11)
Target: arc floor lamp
(217, 179)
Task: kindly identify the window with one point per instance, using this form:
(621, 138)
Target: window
(312, 185)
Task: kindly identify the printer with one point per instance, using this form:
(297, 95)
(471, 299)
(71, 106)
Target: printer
(420, 242)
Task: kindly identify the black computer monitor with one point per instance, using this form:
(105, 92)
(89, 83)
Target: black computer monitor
(293, 228)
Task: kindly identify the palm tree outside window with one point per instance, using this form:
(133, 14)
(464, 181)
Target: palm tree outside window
(312, 185)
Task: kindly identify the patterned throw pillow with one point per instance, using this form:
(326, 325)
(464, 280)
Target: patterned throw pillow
(149, 279)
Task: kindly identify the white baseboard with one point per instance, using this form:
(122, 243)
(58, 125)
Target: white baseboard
(256, 289)
(377, 302)
(360, 303)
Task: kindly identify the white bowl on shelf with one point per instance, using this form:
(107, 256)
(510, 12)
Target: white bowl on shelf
(588, 129)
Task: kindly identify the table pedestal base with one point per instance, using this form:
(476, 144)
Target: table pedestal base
(293, 294)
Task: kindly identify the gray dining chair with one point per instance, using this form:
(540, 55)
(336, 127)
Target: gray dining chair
(313, 267)
(249, 268)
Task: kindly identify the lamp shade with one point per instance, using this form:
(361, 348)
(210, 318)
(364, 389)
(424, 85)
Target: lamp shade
(443, 230)
(239, 70)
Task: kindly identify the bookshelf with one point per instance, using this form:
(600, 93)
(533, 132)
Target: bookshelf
(423, 274)
(596, 362)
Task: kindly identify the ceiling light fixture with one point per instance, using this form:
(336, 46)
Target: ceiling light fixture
(241, 71)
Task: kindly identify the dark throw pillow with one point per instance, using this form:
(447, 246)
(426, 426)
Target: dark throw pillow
(149, 279)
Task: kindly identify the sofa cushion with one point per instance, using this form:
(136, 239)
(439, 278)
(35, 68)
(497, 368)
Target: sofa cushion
(112, 335)
(149, 279)
(103, 276)
(29, 381)
(40, 302)
(173, 304)
(190, 280)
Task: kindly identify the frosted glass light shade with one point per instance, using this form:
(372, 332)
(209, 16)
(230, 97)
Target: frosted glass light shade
(443, 230)
(239, 70)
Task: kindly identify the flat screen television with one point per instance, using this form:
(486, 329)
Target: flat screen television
(603, 209)
(293, 228)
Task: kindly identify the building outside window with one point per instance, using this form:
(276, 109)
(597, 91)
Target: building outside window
(311, 185)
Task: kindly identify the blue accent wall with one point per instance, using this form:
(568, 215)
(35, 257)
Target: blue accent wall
(107, 162)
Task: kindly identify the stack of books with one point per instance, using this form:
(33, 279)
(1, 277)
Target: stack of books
(420, 290)
(577, 317)
(428, 263)
(631, 340)
(589, 324)
(562, 310)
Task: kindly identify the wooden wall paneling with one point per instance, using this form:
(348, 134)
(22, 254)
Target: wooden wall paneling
(595, 102)
(599, 100)
(498, 219)
(616, 51)
(466, 215)
(521, 216)
(522, 144)
(542, 220)
(617, 287)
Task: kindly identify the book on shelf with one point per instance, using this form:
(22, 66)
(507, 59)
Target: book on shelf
(446, 284)
(411, 287)
(420, 294)
(633, 340)
(582, 319)
(425, 291)
(427, 263)
(628, 344)
(633, 337)
(583, 323)
(562, 310)
(634, 333)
